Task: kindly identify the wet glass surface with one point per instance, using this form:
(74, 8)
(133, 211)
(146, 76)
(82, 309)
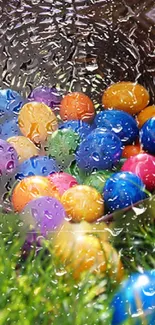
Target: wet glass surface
(78, 45)
(73, 45)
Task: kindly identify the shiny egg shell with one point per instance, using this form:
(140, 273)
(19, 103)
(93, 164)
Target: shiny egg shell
(126, 96)
(143, 165)
(77, 106)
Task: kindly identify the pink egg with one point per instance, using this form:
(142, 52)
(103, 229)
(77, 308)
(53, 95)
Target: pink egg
(62, 181)
(143, 165)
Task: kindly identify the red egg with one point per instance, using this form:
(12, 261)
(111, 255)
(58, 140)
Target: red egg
(62, 181)
(143, 165)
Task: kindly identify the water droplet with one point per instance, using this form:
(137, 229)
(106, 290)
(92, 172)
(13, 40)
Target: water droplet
(96, 156)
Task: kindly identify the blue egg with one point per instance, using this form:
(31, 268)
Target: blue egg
(121, 123)
(10, 102)
(9, 128)
(122, 190)
(135, 301)
(147, 136)
(80, 127)
(37, 166)
(100, 150)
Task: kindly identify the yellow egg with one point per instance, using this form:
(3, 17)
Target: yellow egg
(83, 202)
(37, 121)
(126, 96)
(24, 147)
(82, 248)
(145, 115)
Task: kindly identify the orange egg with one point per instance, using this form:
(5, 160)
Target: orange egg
(30, 188)
(131, 150)
(37, 121)
(145, 115)
(82, 251)
(77, 106)
(126, 96)
(24, 147)
(83, 202)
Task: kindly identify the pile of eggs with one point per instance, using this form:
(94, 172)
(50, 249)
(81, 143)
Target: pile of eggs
(71, 165)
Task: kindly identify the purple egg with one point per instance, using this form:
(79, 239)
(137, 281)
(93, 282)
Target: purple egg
(44, 215)
(8, 158)
(46, 95)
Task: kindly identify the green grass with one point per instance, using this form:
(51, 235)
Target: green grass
(37, 290)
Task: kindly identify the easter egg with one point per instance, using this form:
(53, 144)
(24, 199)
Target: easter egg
(143, 165)
(80, 127)
(121, 123)
(62, 145)
(39, 166)
(31, 188)
(147, 136)
(24, 147)
(126, 96)
(77, 106)
(83, 202)
(135, 300)
(131, 150)
(63, 181)
(99, 150)
(10, 102)
(122, 190)
(37, 121)
(44, 215)
(98, 229)
(76, 172)
(145, 115)
(97, 180)
(9, 128)
(85, 249)
(48, 96)
(8, 158)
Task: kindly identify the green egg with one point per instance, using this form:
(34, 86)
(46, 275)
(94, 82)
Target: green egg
(62, 145)
(98, 179)
(75, 171)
